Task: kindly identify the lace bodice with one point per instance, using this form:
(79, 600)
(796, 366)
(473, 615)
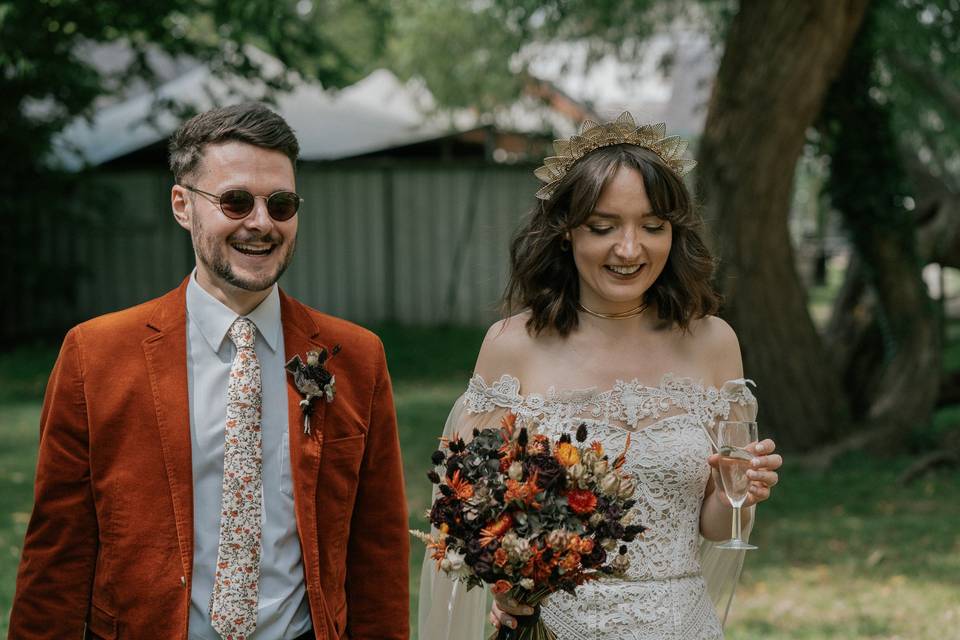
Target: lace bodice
(628, 405)
(670, 427)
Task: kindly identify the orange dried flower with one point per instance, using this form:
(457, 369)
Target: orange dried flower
(439, 551)
(509, 421)
(570, 561)
(567, 454)
(501, 586)
(462, 488)
(597, 447)
(496, 530)
(500, 557)
(582, 501)
(525, 492)
(622, 458)
(527, 570)
(539, 445)
(541, 568)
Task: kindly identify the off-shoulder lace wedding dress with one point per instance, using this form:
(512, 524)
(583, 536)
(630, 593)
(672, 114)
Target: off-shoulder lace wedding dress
(678, 586)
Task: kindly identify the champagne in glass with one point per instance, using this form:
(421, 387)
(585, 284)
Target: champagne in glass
(733, 438)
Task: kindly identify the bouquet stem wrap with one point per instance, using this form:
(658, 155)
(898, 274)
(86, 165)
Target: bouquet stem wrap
(529, 627)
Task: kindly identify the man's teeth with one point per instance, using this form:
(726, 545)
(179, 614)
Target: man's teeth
(622, 270)
(253, 248)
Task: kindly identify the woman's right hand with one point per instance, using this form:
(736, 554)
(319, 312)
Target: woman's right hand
(504, 608)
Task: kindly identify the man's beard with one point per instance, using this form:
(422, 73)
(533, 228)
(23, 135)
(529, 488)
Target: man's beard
(212, 254)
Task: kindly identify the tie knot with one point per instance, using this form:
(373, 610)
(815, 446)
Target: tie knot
(241, 333)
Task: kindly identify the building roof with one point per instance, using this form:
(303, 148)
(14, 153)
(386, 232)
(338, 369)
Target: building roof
(376, 113)
(380, 112)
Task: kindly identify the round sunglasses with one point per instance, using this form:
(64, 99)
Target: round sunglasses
(237, 204)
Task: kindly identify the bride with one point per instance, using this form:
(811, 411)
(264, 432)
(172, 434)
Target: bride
(615, 329)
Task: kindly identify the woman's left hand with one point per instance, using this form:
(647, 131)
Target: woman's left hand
(762, 473)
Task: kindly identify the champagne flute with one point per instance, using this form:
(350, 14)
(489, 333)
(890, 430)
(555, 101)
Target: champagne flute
(733, 438)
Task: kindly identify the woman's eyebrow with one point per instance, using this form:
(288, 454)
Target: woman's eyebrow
(614, 216)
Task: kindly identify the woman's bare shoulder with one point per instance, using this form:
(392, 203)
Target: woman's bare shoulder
(716, 342)
(505, 348)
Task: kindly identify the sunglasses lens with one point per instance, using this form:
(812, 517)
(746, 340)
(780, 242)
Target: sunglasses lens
(236, 203)
(283, 205)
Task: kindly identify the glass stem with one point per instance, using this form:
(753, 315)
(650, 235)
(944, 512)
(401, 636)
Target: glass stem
(736, 522)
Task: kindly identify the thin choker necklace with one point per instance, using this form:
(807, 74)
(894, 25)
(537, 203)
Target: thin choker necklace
(632, 313)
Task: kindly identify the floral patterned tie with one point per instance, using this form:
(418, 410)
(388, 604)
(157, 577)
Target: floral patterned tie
(233, 603)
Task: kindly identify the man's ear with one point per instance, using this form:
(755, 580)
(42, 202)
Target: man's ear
(182, 206)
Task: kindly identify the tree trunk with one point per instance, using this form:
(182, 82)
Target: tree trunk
(853, 339)
(779, 60)
(906, 390)
(854, 336)
(938, 238)
(898, 390)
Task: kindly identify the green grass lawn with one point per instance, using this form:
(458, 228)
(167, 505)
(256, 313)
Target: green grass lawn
(845, 554)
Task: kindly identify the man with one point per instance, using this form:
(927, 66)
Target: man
(187, 486)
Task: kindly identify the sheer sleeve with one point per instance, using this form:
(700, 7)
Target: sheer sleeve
(447, 611)
(721, 567)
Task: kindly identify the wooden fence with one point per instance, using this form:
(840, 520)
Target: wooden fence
(422, 244)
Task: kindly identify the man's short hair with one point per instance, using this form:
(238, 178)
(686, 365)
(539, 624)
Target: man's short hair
(250, 122)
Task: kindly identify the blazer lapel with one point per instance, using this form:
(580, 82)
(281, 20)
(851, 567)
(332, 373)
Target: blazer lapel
(299, 336)
(166, 357)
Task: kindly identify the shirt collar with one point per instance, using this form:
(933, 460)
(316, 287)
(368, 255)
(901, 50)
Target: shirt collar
(213, 318)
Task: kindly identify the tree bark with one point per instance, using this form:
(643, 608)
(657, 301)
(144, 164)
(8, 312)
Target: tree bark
(896, 379)
(854, 337)
(779, 60)
(906, 391)
(938, 238)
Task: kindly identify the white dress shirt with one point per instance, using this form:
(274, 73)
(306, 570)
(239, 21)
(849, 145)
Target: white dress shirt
(283, 610)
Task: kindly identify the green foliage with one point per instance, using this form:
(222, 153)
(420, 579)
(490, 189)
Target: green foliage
(417, 354)
(48, 80)
(487, 46)
(474, 68)
(24, 373)
(918, 72)
(951, 354)
(18, 457)
(866, 180)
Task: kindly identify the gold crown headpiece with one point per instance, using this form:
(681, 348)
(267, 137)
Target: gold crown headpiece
(623, 130)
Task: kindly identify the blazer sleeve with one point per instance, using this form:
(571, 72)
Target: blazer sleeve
(55, 576)
(377, 580)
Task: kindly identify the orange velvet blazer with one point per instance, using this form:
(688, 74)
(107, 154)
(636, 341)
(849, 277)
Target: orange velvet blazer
(109, 547)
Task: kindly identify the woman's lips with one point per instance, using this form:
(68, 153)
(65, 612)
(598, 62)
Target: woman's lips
(624, 276)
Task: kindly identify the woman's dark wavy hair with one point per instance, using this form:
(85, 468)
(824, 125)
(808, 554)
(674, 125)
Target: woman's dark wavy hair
(543, 276)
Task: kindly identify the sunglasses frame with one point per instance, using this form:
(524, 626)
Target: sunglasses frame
(218, 200)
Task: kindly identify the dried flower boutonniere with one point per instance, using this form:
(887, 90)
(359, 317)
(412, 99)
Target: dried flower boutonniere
(313, 380)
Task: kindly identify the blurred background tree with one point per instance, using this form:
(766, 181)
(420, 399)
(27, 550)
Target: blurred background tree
(781, 54)
(48, 80)
(887, 127)
(884, 116)
(890, 128)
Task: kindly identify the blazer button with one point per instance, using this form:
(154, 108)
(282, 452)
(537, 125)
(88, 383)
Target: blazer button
(183, 581)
